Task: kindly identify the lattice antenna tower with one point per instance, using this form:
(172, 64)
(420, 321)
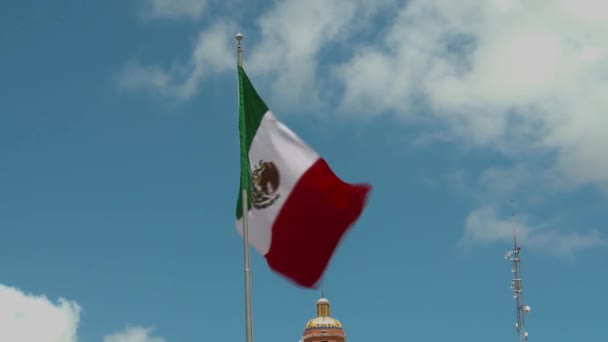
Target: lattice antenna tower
(516, 286)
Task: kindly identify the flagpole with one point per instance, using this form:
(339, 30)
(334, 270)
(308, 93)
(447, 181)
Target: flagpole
(244, 197)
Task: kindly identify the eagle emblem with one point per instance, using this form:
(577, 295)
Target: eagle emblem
(265, 183)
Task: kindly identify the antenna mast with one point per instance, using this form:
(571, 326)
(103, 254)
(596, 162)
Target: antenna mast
(516, 285)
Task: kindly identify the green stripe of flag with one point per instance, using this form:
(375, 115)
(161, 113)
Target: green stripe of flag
(251, 111)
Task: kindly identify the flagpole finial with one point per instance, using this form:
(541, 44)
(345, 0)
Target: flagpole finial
(239, 49)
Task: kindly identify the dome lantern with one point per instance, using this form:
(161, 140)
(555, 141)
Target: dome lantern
(322, 308)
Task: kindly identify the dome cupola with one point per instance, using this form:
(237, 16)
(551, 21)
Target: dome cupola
(323, 328)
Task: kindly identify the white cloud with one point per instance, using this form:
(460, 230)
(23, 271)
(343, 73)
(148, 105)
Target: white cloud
(181, 81)
(525, 181)
(513, 75)
(26, 317)
(136, 76)
(34, 318)
(173, 8)
(526, 78)
(293, 33)
(133, 334)
(484, 226)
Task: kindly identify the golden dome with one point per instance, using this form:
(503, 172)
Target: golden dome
(323, 323)
(323, 320)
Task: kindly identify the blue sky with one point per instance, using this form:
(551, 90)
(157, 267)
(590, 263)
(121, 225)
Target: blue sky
(119, 150)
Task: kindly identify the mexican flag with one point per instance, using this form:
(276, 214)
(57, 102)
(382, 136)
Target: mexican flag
(298, 208)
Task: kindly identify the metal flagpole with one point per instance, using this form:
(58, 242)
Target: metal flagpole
(244, 197)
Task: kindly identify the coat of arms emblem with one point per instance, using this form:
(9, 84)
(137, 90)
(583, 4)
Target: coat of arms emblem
(265, 183)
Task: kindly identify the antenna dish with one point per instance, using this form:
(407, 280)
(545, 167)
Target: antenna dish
(527, 309)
